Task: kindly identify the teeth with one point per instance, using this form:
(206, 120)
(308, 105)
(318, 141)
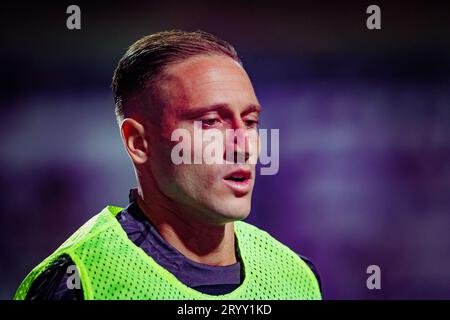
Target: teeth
(239, 186)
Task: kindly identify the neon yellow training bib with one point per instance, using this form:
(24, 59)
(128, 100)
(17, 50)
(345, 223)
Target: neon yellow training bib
(112, 267)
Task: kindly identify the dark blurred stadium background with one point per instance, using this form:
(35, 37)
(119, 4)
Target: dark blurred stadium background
(363, 116)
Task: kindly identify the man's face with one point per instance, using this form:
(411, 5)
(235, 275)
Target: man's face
(216, 91)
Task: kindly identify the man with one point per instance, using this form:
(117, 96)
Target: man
(182, 235)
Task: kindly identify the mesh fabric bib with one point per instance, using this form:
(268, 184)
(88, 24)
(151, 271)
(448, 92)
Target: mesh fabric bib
(113, 267)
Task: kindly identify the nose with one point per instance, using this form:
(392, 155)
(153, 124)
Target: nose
(237, 144)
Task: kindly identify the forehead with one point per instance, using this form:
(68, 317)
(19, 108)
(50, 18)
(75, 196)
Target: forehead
(204, 80)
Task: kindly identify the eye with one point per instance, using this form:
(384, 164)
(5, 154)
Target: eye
(206, 123)
(251, 123)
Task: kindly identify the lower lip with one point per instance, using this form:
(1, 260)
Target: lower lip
(239, 187)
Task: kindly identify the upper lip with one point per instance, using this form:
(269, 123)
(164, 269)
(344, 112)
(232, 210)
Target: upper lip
(239, 173)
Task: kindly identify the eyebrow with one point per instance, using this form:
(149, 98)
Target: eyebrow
(220, 107)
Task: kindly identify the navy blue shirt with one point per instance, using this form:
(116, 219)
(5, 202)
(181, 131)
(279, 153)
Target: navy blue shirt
(213, 280)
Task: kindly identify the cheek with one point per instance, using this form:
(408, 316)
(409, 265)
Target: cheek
(196, 178)
(207, 175)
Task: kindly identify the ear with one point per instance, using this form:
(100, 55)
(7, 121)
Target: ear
(136, 144)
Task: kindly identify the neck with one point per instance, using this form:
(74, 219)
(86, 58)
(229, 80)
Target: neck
(197, 240)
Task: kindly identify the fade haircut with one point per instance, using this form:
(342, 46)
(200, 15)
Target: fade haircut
(145, 61)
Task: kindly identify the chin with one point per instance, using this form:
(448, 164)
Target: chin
(236, 209)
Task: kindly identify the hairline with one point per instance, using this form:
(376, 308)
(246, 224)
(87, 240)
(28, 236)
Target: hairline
(151, 91)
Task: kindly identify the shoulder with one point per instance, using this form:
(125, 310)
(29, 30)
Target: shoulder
(248, 230)
(53, 282)
(51, 275)
(313, 269)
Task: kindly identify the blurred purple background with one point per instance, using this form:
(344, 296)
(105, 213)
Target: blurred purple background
(363, 116)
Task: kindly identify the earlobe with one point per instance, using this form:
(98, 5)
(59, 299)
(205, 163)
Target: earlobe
(136, 144)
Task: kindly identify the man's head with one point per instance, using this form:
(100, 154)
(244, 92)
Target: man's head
(165, 82)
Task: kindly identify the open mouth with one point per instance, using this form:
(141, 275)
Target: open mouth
(239, 181)
(236, 179)
(239, 175)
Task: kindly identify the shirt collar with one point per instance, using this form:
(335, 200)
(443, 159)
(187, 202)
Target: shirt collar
(133, 195)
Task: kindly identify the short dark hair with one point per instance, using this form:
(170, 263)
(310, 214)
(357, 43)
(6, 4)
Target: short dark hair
(146, 59)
